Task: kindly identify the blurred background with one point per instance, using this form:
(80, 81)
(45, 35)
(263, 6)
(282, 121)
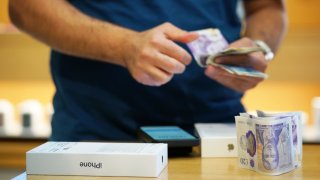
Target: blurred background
(294, 75)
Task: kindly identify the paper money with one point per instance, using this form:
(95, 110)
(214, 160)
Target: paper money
(270, 143)
(211, 44)
(246, 142)
(242, 71)
(296, 132)
(232, 51)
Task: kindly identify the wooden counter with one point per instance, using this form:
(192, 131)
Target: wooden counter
(219, 168)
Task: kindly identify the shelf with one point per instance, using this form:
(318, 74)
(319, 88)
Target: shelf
(22, 137)
(13, 151)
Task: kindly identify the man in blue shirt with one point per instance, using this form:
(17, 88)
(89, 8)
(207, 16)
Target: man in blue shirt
(121, 64)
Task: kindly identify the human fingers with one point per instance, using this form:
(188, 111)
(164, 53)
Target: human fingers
(255, 60)
(151, 76)
(155, 58)
(167, 63)
(176, 34)
(151, 67)
(171, 49)
(232, 81)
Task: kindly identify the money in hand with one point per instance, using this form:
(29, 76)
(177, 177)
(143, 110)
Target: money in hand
(211, 44)
(269, 143)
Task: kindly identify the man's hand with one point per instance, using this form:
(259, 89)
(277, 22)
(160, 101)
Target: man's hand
(254, 60)
(265, 20)
(153, 57)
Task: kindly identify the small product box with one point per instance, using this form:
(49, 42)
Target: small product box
(217, 140)
(98, 159)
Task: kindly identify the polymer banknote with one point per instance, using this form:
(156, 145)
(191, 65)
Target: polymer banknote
(211, 44)
(269, 143)
(296, 123)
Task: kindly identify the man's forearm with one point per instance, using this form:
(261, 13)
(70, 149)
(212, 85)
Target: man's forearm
(64, 28)
(266, 20)
(152, 57)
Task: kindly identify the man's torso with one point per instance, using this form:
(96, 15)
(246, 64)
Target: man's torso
(96, 100)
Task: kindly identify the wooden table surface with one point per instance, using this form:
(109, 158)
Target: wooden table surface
(218, 168)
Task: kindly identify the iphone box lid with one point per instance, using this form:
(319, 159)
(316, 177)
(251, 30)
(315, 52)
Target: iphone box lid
(98, 159)
(217, 139)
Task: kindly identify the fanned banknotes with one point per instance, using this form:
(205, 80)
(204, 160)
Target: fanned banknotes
(211, 44)
(269, 143)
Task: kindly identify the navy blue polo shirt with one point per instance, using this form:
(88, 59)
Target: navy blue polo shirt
(101, 101)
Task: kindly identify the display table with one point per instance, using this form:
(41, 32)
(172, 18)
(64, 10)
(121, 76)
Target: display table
(195, 167)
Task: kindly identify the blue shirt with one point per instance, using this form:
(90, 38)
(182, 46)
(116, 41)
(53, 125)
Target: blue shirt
(101, 101)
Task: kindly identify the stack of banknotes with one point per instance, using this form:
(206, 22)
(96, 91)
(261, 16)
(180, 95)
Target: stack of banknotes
(211, 44)
(269, 143)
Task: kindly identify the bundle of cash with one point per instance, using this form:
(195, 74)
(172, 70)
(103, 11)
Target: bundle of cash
(211, 44)
(269, 143)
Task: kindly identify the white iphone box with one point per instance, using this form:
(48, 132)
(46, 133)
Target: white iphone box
(217, 140)
(98, 159)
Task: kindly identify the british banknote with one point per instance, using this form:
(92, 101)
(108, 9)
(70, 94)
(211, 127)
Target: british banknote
(269, 143)
(296, 132)
(246, 139)
(211, 44)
